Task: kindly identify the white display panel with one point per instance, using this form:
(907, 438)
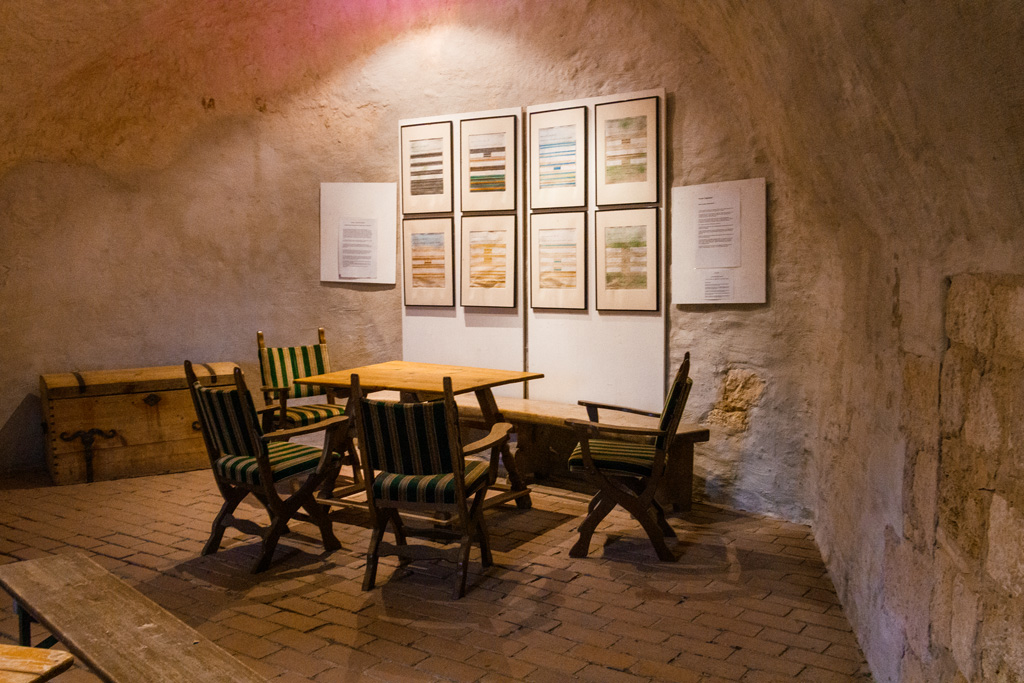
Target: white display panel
(489, 337)
(718, 243)
(358, 232)
(609, 356)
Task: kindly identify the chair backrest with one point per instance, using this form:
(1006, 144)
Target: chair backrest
(675, 402)
(408, 438)
(280, 366)
(228, 417)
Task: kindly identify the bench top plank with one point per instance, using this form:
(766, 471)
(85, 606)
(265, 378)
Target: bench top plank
(536, 411)
(123, 636)
(31, 664)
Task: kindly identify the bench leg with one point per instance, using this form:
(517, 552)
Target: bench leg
(676, 486)
(24, 626)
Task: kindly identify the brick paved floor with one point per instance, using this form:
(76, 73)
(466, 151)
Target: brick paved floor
(748, 600)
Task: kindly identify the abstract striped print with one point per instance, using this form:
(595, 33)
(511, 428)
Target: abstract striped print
(281, 366)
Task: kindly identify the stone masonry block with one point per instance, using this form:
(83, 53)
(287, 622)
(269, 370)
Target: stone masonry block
(1005, 560)
(1001, 640)
(964, 497)
(959, 373)
(969, 315)
(1008, 303)
(908, 590)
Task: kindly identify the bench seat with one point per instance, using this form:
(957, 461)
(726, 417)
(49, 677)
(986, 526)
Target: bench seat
(120, 634)
(544, 442)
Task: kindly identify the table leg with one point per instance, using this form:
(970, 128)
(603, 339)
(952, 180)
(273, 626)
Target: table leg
(518, 490)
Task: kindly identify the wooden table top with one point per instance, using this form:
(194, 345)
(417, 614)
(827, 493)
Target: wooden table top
(424, 378)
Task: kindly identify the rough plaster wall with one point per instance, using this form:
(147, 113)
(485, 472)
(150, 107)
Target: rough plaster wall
(159, 173)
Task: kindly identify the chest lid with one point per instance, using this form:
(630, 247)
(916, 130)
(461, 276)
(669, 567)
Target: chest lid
(130, 381)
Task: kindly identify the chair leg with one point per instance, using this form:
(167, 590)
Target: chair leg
(232, 497)
(462, 568)
(598, 513)
(317, 513)
(278, 526)
(480, 528)
(662, 522)
(399, 530)
(647, 519)
(380, 521)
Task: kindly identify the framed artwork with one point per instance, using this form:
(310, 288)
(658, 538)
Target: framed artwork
(558, 260)
(627, 151)
(627, 260)
(558, 158)
(488, 164)
(428, 258)
(427, 168)
(488, 271)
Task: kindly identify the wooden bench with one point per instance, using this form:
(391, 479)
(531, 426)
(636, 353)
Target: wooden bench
(544, 442)
(121, 635)
(31, 664)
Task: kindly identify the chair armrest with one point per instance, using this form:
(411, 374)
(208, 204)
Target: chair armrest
(285, 434)
(598, 428)
(499, 432)
(607, 406)
(276, 390)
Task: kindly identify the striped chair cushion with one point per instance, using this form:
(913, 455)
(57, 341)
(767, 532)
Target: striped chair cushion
(281, 366)
(286, 460)
(437, 488)
(407, 438)
(300, 416)
(616, 457)
(224, 411)
(675, 402)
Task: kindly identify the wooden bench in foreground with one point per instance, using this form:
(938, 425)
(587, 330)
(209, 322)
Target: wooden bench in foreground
(121, 635)
(544, 442)
(31, 664)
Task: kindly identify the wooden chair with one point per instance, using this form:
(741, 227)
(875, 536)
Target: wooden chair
(413, 459)
(244, 460)
(626, 464)
(280, 366)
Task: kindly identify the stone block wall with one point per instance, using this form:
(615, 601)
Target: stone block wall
(977, 602)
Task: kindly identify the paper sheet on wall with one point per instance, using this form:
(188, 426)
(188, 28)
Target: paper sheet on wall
(718, 228)
(357, 248)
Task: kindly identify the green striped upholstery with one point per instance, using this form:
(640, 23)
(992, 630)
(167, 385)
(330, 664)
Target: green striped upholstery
(616, 457)
(281, 366)
(224, 411)
(674, 404)
(300, 416)
(437, 488)
(287, 459)
(407, 438)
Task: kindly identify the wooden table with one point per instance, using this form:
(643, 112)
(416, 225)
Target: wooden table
(421, 381)
(120, 634)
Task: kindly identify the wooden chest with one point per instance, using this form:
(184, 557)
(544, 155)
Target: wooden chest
(123, 423)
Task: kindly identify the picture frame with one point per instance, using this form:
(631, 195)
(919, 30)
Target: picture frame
(427, 168)
(488, 152)
(428, 262)
(558, 158)
(627, 249)
(488, 272)
(627, 148)
(558, 260)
